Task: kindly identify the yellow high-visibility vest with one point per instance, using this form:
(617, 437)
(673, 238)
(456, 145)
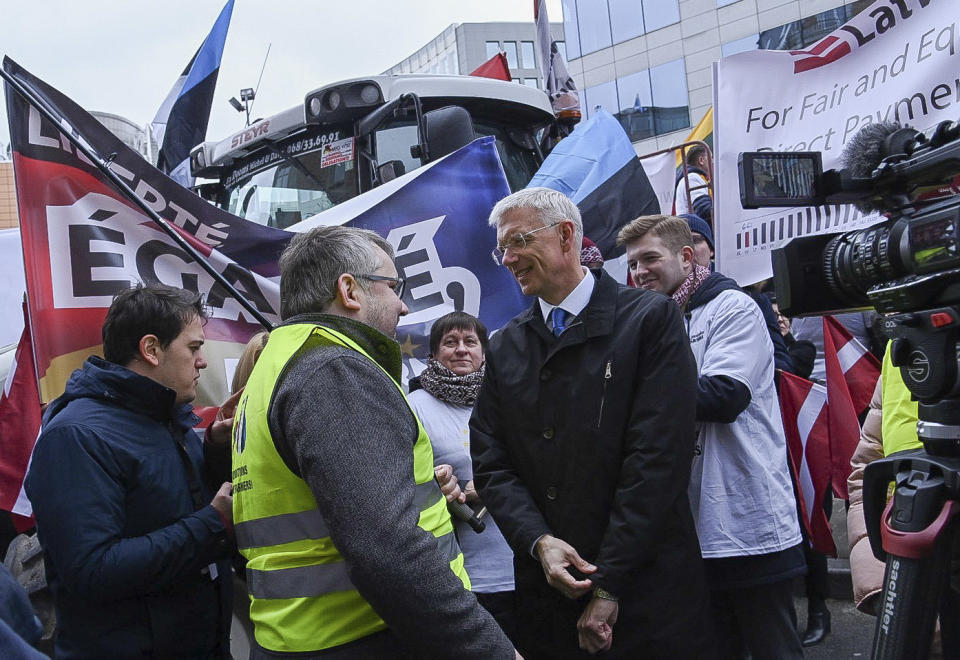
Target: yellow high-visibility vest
(301, 596)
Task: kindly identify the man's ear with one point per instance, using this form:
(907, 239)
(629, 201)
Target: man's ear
(686, 255)
(149, 350)
(567, 235)
(348, 290)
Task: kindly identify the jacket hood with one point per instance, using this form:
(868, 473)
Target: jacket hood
(710, 289)
(106, 381)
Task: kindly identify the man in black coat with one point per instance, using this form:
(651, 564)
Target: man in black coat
(582, 440)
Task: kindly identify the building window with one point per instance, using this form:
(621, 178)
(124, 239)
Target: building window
(746, 43)
(532, 82)
(668, 82)
(571, 28)
(493, 47)
(806, 31)
(636, 106)
(594, 25)
(528, 59)
(660, 13)
(626, 19)
(603, 96)
(648, 103)
(511, 48)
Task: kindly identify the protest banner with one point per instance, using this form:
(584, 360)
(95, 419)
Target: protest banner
(896, 60)
(84, 241)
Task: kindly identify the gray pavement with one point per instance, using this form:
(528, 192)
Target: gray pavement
(851, 636)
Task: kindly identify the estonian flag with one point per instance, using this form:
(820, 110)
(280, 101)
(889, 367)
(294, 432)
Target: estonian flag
(597, 167)
(181, 122)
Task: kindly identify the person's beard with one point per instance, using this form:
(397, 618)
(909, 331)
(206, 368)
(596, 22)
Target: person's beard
(378, 316)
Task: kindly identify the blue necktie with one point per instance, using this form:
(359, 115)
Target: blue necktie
(559, 318)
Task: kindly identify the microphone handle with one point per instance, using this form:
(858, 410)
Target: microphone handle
(461, 511)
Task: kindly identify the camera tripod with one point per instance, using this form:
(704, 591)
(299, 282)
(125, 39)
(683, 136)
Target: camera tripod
(918, 532)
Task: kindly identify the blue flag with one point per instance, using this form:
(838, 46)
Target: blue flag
(597, 167)
(435, 218)
(181, 122)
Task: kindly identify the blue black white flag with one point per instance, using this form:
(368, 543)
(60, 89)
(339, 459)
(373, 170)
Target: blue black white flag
(181, 122)
(597, 167)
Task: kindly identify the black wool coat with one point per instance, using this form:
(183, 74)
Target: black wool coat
(589, 437)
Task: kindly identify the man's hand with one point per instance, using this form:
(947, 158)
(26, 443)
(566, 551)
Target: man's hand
(596, 625)
(448, 483)
(555, 556)
(223, 502)
(219, 432)
(471, 492)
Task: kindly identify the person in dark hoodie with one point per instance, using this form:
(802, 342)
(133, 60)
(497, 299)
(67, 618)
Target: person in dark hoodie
(740, 489)
(132, 509)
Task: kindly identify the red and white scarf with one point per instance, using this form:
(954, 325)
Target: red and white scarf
(690, 284)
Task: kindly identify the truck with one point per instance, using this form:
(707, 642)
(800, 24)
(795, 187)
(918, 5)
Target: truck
(351, 136)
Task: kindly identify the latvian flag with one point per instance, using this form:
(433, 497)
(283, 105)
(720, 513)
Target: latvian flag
(852, 373)
(803, 405)
(19, 428)
(181, 122)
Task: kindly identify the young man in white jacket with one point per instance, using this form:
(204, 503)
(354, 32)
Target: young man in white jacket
(740, 488)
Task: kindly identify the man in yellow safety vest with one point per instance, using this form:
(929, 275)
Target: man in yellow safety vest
(350, 548)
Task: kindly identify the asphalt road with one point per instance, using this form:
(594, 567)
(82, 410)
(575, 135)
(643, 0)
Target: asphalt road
(851, 635)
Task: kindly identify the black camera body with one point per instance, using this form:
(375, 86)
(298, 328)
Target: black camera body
(909, 262)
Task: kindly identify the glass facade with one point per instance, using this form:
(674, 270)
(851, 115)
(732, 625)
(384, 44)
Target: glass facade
(592, 25)
(511, 49)
(648, 103)
(802, 33)
(527, 58)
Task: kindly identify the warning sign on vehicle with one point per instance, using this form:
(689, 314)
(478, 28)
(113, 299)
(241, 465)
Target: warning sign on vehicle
(337, 152)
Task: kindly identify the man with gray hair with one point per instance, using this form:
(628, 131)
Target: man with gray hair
(582, 440)
(350, 548)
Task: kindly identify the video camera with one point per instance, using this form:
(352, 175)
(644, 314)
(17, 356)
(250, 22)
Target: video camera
(908, 268)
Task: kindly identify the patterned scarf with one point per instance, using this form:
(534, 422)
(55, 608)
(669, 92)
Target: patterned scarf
(690, 284)
(447, 386)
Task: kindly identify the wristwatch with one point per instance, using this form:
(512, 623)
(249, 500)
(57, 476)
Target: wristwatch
(602, 593)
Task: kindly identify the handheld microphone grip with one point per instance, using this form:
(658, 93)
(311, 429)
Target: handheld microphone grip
(461, 511)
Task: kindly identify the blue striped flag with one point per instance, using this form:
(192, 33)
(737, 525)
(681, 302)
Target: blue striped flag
(181, 121)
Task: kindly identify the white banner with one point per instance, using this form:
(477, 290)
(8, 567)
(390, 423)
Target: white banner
(897, 60)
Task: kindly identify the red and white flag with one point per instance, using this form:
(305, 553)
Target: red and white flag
(19, 428)
(803, 406)
(852, 373)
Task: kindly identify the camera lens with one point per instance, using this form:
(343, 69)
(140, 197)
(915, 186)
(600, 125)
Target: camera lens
(855, 261)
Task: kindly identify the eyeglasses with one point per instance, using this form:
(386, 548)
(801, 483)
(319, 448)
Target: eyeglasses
(518, 242)
(399, 283)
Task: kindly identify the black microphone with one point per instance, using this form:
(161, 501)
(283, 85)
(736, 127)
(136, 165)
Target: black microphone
(867, 149)
(461, 511)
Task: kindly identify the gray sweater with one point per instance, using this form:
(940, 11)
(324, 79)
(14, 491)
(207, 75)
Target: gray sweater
(341, 424)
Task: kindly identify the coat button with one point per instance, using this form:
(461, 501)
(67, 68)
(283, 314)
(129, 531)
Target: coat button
(545, 374)
(551, 493)
(548, 433)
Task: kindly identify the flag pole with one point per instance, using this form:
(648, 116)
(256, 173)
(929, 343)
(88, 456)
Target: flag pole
(104, 167)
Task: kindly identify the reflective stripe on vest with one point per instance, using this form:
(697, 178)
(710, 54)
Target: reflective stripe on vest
(287, 527)
(302, 598)
(320, 579)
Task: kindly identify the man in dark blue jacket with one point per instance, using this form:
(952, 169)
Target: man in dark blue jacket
(135, 543)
